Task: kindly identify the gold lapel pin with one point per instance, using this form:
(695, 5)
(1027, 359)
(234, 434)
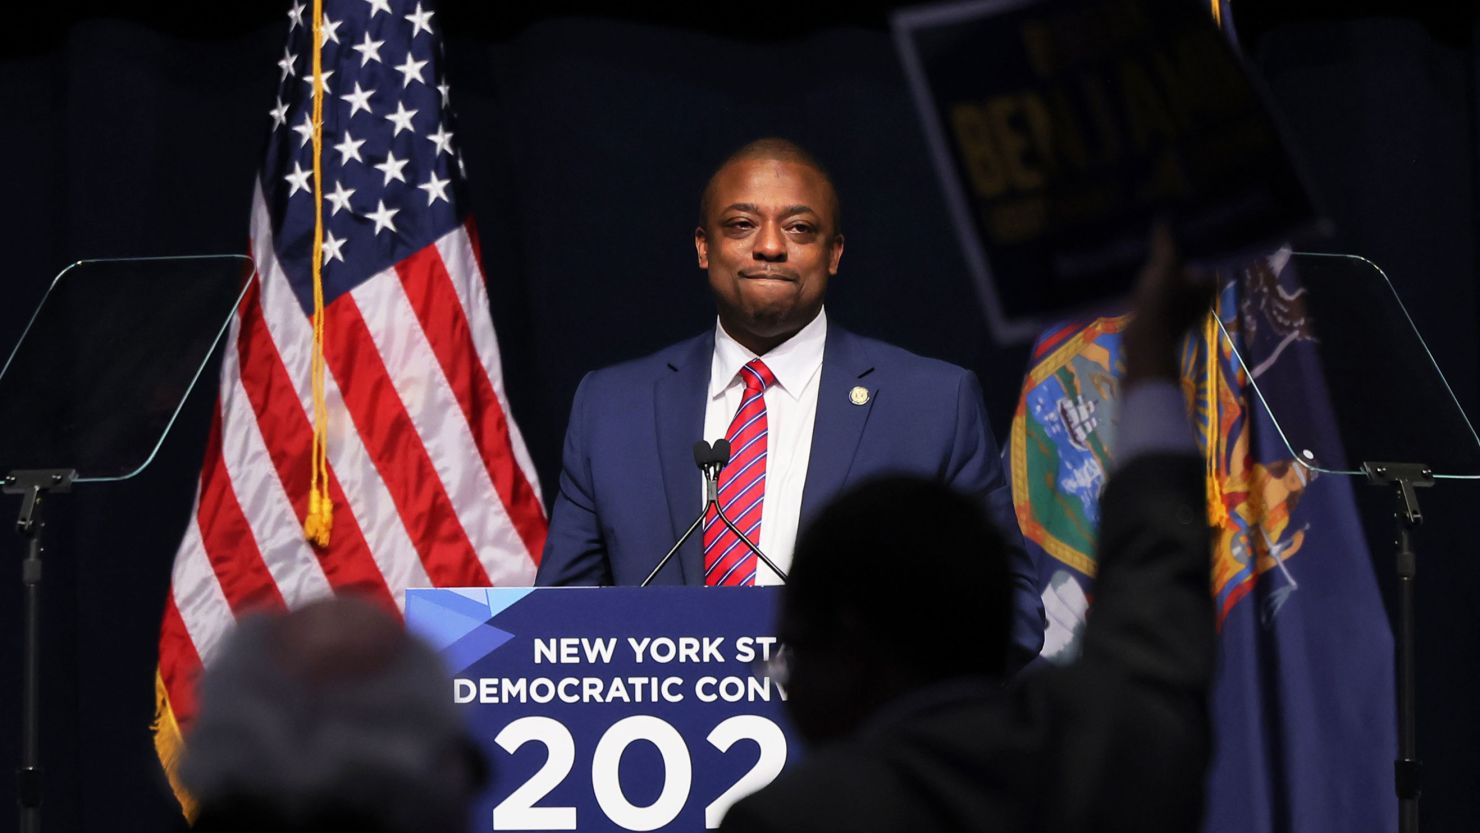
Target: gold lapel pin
(858, 396)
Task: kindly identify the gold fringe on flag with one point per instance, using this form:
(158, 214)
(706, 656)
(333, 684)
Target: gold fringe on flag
(320, 519)
(1217, 512)
(170, 745)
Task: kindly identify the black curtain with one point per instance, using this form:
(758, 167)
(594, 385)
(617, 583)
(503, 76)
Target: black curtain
(137, 129)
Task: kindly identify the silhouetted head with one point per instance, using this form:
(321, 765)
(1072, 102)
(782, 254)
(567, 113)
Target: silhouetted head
(899, 584)
(329, 718)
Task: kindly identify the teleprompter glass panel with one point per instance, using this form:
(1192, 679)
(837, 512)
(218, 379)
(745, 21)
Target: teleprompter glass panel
(1375, 393)
(108, 358)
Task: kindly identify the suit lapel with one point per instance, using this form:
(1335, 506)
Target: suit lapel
(839, 423)
(678, 401)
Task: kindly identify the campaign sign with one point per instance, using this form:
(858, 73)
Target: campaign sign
(1061, 128)
(613, 708)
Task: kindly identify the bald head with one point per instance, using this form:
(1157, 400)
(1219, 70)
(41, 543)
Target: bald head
(775, 149)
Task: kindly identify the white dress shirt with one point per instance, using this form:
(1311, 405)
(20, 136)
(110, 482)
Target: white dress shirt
(791, 411)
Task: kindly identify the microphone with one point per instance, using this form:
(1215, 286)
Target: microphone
(703, 454)
(715, 459)
(704, 457)
(709, 465)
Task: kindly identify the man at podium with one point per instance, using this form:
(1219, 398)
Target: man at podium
(806, 406)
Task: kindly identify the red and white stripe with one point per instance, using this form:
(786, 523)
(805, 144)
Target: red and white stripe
(431, 482)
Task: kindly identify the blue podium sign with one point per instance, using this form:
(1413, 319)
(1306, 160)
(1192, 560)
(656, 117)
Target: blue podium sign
(613, 708)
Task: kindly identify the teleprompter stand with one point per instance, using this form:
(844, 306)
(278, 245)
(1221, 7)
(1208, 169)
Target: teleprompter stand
(1379, 396)
(1405, 479)
(89, 395)
(35, 487)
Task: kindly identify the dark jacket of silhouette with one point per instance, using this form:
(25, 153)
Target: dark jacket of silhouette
(1118, 740)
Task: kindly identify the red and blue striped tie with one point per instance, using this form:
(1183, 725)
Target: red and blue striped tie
(742, 486)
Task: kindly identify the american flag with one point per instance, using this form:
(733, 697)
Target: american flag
(430, 480)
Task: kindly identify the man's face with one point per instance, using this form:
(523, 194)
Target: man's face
(770, 245)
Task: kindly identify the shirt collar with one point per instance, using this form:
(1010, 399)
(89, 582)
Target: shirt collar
(793, 362)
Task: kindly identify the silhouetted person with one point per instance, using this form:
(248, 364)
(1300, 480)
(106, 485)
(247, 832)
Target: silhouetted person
(330, 718)
(897, 684)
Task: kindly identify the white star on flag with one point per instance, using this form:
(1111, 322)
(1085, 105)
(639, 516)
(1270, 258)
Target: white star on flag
(295, 16)
(446, 92)
(308, 79)
(378, 6)
(401, 119)
(369, 50)
(298, 178)
(331, 248)
(420, 21)
(305, 130)
(330, 29)
(442, 139)
(391, 167)
(410, 70)
(358, 100)
(286, 64)
(349, 148)
(436, 188)
(279, 114)
(340, 198)
(382, 216)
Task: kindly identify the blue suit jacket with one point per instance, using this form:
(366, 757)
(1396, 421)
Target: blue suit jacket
(629, 486)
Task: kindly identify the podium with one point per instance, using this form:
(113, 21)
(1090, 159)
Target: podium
(613, 708)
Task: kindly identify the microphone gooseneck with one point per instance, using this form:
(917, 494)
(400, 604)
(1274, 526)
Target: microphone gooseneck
(710, 459)
(722, 456)
(709, 467)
